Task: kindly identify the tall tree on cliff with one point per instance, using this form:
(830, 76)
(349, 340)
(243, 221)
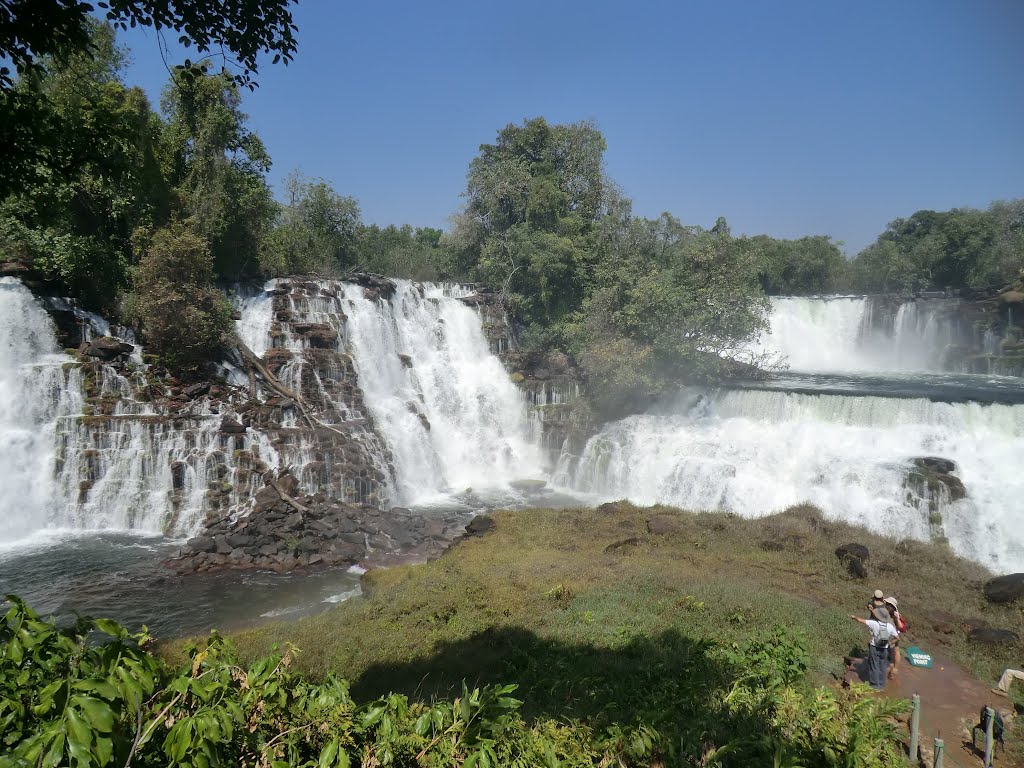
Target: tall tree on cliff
(98, 178)
(217, 168)
(532, 200)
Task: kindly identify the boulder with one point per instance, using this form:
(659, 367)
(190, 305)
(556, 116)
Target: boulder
(611, 508)
(196, 390)
(1004, 589)
(856, 568)
(265, 498)
(231, 426)
(405, 359)
(936, 464)
(858, 551)
(993, 636)
(201, 544)
(479, 525)
(954, 485)
(662, 525)
(107, 348)
(374, 286)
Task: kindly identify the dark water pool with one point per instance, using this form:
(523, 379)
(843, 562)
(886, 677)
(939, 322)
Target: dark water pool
(121, 577)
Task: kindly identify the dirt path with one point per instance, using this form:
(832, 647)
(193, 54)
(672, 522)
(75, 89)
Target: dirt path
(950, 702)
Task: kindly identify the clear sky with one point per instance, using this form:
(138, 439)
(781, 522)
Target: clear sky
(786, 117)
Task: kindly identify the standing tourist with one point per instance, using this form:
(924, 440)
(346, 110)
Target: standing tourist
(882, 633)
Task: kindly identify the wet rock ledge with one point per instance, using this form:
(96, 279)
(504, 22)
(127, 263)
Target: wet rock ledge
(294, 533)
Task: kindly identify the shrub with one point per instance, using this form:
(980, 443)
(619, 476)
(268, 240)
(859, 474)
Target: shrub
(184, 318)
(92, 695)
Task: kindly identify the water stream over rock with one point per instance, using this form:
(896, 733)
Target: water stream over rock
(369, 418)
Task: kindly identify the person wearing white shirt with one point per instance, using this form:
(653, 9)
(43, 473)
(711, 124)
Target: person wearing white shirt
(883, 632)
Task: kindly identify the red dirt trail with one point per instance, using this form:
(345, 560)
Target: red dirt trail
(950, 702)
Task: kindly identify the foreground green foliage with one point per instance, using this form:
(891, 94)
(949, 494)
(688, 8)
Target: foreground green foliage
(92, 695)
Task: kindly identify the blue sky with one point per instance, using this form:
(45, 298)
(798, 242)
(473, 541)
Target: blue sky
(786, 117)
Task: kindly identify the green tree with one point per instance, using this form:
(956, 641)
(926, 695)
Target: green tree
(99, 180)
(315, 231)
(218, 169)
(402, 252)
(809, 265)
(532, 200)
(671, 304)
(963, 247)
(185, 320)
(35, 32)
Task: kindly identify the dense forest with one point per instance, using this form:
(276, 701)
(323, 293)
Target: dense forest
(149, 212)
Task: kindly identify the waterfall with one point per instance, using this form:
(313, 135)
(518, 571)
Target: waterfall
(861, 334)
(84, 449)
(758, 452)
(444, 404)
(33, 397)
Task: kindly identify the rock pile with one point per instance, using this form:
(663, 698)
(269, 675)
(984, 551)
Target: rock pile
(314, 532)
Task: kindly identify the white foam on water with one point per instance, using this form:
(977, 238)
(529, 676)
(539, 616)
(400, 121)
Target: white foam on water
(754, 453)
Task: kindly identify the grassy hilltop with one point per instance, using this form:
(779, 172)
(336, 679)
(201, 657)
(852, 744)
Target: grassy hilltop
(579, 578)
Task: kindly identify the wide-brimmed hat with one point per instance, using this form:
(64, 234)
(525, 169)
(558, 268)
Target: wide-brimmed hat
(881, 614)
(891, 601)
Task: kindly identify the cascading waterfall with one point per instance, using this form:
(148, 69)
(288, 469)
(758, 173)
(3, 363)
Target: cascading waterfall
(860, 335)
(758, 452)
(446, 407)
(81, 450)
(35, 392)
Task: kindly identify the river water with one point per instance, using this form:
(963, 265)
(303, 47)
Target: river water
(88, 514)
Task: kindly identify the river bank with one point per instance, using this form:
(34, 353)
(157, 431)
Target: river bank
(607, 577)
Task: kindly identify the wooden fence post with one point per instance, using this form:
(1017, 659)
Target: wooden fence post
(915, 722)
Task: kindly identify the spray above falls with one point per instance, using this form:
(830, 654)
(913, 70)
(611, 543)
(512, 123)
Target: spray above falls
(862, 334)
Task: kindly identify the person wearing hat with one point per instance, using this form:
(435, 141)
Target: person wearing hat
(883, 632)
(901, 627)
(877, 600)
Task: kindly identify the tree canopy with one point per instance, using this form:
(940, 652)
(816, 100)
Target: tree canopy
(33, 32)
(963, 247)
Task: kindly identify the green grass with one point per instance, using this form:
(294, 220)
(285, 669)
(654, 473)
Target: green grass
(539, 601)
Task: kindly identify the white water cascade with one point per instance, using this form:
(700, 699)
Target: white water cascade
(755, 453)
(856, 335)
(33, 396)
(444, 404)
(82, 451)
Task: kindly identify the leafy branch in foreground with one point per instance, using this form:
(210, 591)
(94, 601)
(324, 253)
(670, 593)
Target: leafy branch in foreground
(91, 694)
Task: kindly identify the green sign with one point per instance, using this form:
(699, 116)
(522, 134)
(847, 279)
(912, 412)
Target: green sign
(918, 658)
